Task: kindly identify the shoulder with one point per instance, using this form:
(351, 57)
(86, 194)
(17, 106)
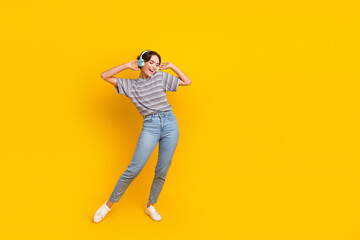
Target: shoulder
(167, 76)
(164, 76)
(126, 82)
(158, 75)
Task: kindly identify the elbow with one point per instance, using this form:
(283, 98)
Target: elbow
(104, 76)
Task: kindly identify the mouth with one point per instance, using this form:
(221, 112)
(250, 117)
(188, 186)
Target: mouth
(151, 71)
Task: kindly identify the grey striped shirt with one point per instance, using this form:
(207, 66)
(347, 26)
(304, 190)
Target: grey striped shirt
(149, 95)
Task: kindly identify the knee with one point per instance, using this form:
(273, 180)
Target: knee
(160, 176)
(129, 175)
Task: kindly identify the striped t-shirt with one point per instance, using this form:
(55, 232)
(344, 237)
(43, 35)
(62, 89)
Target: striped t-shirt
(149, 95)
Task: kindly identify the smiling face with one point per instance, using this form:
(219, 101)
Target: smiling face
(150, 67)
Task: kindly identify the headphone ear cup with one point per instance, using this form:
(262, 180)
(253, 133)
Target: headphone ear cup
(157, 69)
(140, 62)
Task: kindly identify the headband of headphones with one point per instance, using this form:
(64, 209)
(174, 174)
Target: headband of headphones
(141, 61)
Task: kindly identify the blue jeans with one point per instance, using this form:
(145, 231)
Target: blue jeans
(159, 127)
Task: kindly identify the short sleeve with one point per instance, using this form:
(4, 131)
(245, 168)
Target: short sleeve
(123, 86)
(170, 82)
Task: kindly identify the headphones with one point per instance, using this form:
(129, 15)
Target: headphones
(141, 61)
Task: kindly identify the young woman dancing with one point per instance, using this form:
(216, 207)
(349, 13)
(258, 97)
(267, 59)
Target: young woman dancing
(159, 124)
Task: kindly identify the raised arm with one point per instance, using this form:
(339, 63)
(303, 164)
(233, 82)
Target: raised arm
(184, 80)
(109, 74)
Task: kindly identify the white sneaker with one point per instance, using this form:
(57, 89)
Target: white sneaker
(101, 213)
(151, 211)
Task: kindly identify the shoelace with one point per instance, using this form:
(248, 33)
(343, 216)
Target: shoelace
(154, 210)
(103, 211)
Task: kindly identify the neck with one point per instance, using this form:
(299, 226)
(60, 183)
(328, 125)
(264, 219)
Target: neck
(143, 76)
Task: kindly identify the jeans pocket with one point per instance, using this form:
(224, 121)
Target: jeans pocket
(148, 119)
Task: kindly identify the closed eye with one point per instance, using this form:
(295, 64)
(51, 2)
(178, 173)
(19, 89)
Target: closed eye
(153, 62)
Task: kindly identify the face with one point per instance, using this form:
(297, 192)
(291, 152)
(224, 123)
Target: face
(150, 66)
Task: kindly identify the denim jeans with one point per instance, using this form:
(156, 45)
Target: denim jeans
(159, 128)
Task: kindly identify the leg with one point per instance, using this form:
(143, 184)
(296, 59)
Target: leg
(145, 146)
(167, 146)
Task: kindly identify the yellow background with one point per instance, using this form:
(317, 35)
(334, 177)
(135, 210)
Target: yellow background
(269, 128)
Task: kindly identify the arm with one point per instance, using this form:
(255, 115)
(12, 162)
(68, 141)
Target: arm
(184, 80)
(109, 74)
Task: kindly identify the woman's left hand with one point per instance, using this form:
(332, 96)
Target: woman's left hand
(166, 65)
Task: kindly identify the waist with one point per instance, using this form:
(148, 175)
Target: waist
(160, 114)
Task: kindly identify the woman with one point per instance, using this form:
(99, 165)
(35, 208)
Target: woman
(159, 124)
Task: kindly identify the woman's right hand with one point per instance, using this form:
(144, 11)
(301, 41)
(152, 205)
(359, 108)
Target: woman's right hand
(133, 65)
